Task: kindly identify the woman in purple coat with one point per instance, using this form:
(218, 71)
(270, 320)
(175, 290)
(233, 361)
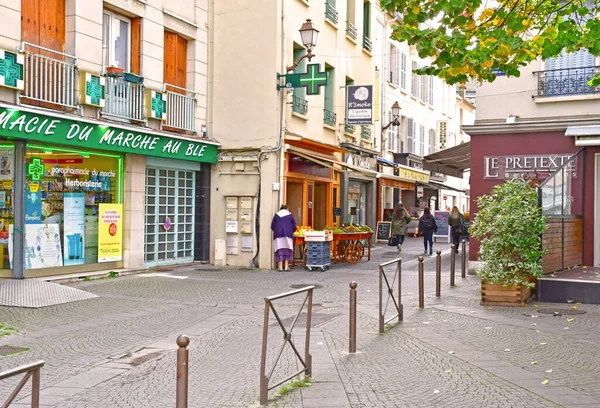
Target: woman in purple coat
(283, 226)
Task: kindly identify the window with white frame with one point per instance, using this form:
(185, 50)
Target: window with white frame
(116, 40)
(393, 76)
(403, 70)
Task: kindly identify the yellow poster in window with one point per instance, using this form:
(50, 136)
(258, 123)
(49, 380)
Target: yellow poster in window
(110, 232)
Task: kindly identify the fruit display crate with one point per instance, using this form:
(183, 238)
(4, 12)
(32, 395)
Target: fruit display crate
(318, 236)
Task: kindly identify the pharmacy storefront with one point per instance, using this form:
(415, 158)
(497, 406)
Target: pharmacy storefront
(73, 194)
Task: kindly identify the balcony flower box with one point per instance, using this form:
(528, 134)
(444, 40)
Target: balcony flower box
(134, 79)
(115, 71)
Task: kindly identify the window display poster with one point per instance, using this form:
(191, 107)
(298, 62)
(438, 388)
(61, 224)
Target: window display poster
(110, 232)
(2, 199)
(7, 163)
(74, 221)
(42, 246)
(33, 207)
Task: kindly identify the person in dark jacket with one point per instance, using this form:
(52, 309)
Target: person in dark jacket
(456, 222)
(427, 227)
(400, 220)
(283, 226)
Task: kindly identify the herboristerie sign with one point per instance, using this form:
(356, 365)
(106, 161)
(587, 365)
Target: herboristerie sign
(85, 135)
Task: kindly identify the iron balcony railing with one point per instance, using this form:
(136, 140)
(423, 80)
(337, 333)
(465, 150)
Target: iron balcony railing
(299, 105)
(329, 117)
(331, 13)
(124, 100)
(181, 108)
(349, 129)
(351, 30)
(567, 81)
(50, 77)
(365, 133)
(367, 44)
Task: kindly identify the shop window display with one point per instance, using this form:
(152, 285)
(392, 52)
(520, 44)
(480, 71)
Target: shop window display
(7, 213)
(72, 208)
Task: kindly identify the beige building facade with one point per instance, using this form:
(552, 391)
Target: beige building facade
(123, 85)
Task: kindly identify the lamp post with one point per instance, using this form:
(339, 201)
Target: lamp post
(395, 114)
(309, 35)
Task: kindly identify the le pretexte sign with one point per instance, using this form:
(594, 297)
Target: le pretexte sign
(50, 129)
(505, 167)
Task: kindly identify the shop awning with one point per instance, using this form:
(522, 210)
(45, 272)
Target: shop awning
(452, 161)
(446, 187)
(388, 180)
(387, 162)
(325, 160)
(584, 135)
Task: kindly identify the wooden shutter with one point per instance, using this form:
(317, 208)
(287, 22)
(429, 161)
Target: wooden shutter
(175, 60)
(30, 21)
(43, 24)
(136, 38)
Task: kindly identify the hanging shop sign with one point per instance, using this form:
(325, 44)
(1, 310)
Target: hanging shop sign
(93, 88)
(363, 162)
(313, 79)
(505, 167)
(157, 101)
(360, 105)
(413, 175)
(110, 232)
(59, 130)
(12, 69)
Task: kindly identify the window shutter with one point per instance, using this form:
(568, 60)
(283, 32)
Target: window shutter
(136, 41)
(403, 71)
(391, 64)
(175, 60)
(422, 139)
(414, 85)
(389, 133)
(431, 90)
(397, 73)
(432, 148)
(410, 135)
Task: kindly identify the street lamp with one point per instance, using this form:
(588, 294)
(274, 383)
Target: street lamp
(309, 35)
(395, 114)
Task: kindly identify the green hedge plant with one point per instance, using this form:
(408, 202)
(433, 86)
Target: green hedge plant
(509, 224)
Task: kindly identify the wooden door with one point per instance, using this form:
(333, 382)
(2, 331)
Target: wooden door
(294, 197)
(175, 61)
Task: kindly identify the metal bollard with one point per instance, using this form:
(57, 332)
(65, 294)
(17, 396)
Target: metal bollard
(352, 330)
(421, 284)
(438, 273)
(182, 372)
(463, 260)
(452, 266)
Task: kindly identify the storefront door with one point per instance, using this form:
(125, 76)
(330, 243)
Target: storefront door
(169, 227)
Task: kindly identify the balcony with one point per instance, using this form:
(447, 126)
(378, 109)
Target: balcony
(329, 117)
(365, 133)
(367, 44)
(349, 130)
(181, 108)
(299, 105)
(331, 13)
(566, 81)
(50, 78)
(124, 100)
(351, 31)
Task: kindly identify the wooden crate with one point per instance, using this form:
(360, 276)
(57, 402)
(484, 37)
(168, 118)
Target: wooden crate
(495, 294)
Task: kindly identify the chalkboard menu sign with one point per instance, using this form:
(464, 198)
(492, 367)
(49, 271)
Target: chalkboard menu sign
(337, 211)
(443, 229)
(384, 230)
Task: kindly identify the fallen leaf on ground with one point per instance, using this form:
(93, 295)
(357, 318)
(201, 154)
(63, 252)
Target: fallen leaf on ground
(545, 382)
(543, 344)
(489, 308)
(574, 307)
(448, 371)
(451, 352)
(506, 349)
(549, 371)
(570, 320)
(534, 305)
(426, 322)
(436, 391)
(488, 328)
(537, 331)
(533, 362)
(534, 316)
(229, 290)
(566, 328)
(534, 324)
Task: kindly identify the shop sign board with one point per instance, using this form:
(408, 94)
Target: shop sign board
(86, 135)
(33, 207)
(360, 105)
(413, 175)
(443, 228)
(12, 69)
(110, 232)
(506, 167)
(384, 230)
(362, 162)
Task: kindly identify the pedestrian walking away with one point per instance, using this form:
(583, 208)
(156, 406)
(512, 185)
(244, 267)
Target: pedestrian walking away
(400, 220)
(427, 226)
(283, 226)
(456, 222)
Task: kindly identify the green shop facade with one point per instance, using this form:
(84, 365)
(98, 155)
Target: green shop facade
(78, 195)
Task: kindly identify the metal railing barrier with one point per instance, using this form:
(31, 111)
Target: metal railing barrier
(182, 372)
(452, 263)
(438, 273)
(421, 284)
(32, 370)
(287, 337)
(352, 328)
(397, 301)
(47, 79)
(181, 108)
(463, 259)
(124, 99)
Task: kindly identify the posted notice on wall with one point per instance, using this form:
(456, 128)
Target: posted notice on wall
(74, 224)
(110, 232)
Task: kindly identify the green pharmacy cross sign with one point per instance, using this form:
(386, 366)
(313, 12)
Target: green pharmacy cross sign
(12, 69)
(95, 89)
(313, 79)
(35, 169)
(159, 105)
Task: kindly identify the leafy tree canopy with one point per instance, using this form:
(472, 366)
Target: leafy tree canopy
(469, 39)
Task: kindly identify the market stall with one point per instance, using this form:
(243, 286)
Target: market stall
(348, 244)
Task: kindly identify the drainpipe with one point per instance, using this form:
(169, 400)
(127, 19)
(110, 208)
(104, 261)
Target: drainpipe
(283, 93)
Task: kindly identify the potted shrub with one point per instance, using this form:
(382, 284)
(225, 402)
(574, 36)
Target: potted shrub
(509, 225)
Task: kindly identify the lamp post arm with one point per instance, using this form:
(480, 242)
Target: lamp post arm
(394, 122)
(308, 55)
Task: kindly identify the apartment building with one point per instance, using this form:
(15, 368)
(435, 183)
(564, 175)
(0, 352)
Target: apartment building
(104, 155)
(545, 125)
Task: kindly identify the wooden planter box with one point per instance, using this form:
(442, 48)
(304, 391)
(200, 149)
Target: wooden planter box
(499, 295)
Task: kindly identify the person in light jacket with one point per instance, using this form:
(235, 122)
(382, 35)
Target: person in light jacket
(283, 226)
(456, 222)
(427, 226)
(400, 220)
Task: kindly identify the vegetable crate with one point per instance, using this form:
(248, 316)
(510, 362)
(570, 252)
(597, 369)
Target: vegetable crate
(318, 255)
(318, 236)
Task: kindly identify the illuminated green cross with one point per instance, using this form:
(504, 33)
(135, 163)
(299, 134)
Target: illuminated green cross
(313, 79)
(94, 90)
(11, 72)
(35, 169)
(159, 105)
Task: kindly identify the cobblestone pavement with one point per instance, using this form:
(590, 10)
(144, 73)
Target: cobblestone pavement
(118, 350)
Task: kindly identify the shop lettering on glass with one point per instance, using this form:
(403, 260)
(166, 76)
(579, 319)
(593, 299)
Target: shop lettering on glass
(362, 162)
(506, 167)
